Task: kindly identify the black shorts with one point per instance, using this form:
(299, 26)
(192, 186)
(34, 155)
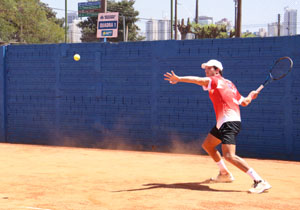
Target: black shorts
(227, 132)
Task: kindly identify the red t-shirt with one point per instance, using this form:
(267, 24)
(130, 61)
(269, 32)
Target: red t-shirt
(225, 98)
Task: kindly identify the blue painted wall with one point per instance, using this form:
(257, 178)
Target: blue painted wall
(115, 96)
(2, 95)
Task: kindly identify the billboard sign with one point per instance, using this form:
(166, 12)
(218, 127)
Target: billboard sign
(89, 9)
(107, 25)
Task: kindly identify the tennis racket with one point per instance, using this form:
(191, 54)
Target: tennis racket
(279, 70)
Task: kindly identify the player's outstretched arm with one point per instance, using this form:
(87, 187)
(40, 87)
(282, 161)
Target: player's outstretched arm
(174, 79)
(252, 95)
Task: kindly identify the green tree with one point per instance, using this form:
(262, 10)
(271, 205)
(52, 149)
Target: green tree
(7, 28)
(209, 31)
(215, 31)
(89, 29)
(51, 15)
(248, 35)
(184, 29)
(29, 21)
(125, 8)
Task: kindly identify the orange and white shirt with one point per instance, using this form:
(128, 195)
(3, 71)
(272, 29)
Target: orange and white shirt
(225, 98)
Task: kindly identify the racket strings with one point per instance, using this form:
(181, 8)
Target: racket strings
(281, 68)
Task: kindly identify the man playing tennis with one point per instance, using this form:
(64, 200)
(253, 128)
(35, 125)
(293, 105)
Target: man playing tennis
(226, 100)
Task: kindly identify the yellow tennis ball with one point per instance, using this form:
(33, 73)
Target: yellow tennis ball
(76, 57)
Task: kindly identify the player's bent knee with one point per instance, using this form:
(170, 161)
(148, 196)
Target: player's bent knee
(229, 157)
(206, 147)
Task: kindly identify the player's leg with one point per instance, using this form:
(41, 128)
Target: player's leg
(209, 145)
(228, 151)
(229, 133)
(259, 185)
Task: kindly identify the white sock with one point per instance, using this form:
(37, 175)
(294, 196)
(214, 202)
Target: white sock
(222, 166)
(253, 175)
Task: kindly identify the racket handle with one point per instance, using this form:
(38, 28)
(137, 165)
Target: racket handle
(260, 88)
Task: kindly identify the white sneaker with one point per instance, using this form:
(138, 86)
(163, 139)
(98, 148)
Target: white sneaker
(225, 178)
(260, 186)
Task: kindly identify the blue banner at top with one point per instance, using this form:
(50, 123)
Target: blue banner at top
(92, 3)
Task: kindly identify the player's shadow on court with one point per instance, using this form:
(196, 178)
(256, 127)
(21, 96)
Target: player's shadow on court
(188, 186)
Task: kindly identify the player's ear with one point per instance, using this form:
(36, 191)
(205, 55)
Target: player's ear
(217, 69)
(220, 72)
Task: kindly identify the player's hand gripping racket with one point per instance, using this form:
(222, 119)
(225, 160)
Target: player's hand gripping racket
(279, 70)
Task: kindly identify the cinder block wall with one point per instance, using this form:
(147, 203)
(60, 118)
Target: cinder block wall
(115, 96)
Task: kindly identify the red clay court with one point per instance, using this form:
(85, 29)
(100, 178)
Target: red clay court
(66, 178)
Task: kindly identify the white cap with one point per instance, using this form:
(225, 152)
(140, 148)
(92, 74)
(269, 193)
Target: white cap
(215, 63)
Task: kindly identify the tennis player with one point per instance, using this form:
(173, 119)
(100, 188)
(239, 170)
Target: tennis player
(226, 100)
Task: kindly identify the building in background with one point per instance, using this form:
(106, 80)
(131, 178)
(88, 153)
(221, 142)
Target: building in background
(74, 32)
(290, 22)
(273, 29)
(204, 20)
(262, 32)
(164, 29)
(151, 30)
(72, 16)
(190, 36)
(158, 30)
(225, 22)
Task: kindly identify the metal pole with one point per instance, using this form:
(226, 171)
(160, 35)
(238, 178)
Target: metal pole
(124, 29)
(175, 19)
(289, 24)
(278, 29)
(66, 21)
(126, 38)
(235, 14)
(104, 5)
(171, 19)
(197, 14)
(239, 19)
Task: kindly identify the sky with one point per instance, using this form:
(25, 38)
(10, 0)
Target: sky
(255, 13)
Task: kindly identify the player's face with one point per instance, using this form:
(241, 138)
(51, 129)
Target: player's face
(210, 71)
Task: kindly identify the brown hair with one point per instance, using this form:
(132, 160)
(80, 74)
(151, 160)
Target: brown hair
(220, 71)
